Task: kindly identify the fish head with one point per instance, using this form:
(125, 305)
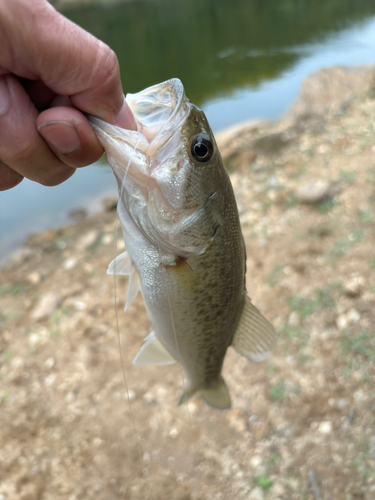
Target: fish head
(170, 174)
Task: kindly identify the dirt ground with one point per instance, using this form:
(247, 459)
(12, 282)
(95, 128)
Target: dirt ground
(302, 424)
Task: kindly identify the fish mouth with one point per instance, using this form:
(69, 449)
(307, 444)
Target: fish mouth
(158, 111)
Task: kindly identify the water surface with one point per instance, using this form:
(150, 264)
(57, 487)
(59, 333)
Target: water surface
(238, 60)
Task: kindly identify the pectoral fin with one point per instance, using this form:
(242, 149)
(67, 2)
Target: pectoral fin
(153, 353)
(134, 286)
(255, 337)
(120, 265)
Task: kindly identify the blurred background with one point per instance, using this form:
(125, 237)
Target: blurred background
(238, 60)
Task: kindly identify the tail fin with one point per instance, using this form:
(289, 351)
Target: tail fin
(218, 396)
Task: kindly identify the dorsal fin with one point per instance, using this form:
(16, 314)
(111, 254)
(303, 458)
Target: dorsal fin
(120, 265)
(255, 337)
(153, 353)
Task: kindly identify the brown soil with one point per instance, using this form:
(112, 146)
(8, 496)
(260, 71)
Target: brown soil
(302, 425)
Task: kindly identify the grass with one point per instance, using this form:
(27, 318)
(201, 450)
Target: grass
(365, 216)
(4, 396)
(294, 333)
(348, 176)
(371, 263)
(342, 245)
(362, 344)
(277, 391)
(11, 289)
(326, 206)
(60, 313)
(323, 298)
(275, 275)
(263, 481)
(54, 333)
(8, 355)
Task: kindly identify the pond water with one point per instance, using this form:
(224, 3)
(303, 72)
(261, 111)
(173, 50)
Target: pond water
(238, 60)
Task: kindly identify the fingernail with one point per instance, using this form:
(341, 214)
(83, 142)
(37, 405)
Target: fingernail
(125, 118)
(4, 96)
(61, 136)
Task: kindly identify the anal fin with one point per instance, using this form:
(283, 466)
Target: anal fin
(120, 265)
(153, 353)
(134, 286)
(255, 337)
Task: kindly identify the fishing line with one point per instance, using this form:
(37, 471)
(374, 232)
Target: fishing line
(118, 328)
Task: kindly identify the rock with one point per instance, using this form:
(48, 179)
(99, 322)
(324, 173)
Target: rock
(109, 204)
(34, 278)
(342, 322)
(354, 287)
(87, 240)
(46, 305)
(329, 86)
(256, 494)
(78, 214)
(325, 427)
(272, 143)
(317, 191)
(294, 319)
(353, 316)
(69, 263)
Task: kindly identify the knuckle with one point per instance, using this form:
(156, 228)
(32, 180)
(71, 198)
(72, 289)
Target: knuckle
(20, 153)
(57, 176)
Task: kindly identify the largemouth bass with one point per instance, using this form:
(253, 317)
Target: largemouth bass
(185, 249)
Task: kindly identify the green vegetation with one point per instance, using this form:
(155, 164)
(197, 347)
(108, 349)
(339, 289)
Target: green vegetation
(277, 391)
(11, 289)
(8, 355)
(58, 314)
(275, 275)
(323, 298)
(342, 245)
(263, 481)
(348, 176)
(362, 344)
(327, 205)
(365, 216)
(4, 396)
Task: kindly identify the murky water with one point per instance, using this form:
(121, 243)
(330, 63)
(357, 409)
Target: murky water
(238, 60)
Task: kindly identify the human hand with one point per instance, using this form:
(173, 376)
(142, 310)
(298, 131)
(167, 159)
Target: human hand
(51, 72)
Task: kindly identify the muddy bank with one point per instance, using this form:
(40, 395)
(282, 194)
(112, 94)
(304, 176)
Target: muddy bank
(302, 424)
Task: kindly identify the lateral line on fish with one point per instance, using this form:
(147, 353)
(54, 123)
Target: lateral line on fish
(132, 416)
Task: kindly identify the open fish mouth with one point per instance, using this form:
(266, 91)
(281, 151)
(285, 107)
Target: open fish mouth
(159, 111)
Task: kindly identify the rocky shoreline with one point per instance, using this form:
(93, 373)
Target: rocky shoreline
(302, 423)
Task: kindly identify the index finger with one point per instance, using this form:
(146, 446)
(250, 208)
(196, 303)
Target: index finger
(47, 46)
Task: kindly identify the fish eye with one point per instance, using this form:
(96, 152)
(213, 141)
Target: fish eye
(202, 149)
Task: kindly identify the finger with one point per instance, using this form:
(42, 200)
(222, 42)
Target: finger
(44, 47)
(21, 147)
(70, 136)
(8, 177)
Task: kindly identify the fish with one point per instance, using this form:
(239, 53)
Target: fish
(185, 250)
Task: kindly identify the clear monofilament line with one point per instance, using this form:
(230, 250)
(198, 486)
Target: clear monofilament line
(118, 329)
